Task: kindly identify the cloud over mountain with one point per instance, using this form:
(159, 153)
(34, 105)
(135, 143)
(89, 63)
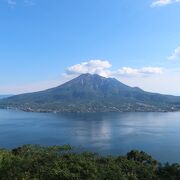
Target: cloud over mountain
(93, 67)
(102, 67)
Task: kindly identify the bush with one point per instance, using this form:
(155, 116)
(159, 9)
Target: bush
(61, 162)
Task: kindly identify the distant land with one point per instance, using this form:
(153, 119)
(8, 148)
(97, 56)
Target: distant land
(93, 93)
(6, 96)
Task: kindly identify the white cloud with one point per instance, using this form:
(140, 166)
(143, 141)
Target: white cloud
(145, 71)
(163, 2)
(93, 67)
(175, 55)
(165, 83)
(151, 70)
(102, 68)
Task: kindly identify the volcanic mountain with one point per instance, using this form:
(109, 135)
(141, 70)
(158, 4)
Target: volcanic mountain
(92, 93)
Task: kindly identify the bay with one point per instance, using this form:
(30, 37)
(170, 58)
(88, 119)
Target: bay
(106, 133)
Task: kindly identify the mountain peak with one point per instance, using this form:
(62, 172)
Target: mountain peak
(89, 79)
(89, 75)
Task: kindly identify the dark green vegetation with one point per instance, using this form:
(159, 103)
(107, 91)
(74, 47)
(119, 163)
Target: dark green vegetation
(92, 93)
(46, 163)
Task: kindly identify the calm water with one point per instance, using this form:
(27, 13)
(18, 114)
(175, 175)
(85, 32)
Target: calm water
(108, 133)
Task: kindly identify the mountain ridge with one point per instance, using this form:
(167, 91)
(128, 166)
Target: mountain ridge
(92, 93)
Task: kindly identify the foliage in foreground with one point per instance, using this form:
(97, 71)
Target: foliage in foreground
(61, 162)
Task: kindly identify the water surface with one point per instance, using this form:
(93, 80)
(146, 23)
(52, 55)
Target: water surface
(105, 133)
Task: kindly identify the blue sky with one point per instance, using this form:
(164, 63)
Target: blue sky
(42, 41)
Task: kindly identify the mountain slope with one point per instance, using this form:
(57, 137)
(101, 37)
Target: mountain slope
(92, 93)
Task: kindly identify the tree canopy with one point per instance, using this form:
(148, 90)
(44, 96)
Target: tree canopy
(62, 162)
